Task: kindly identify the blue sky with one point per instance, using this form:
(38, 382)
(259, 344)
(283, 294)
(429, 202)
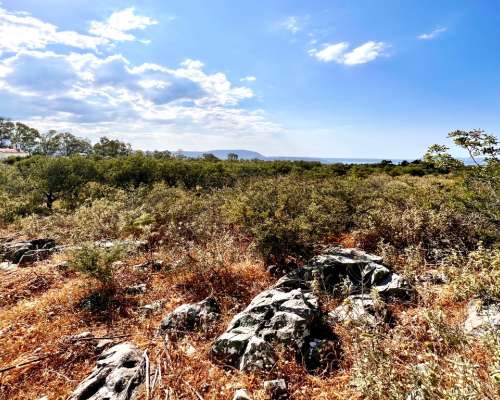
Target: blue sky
(381, 79)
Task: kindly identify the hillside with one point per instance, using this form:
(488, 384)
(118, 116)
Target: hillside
(198, 279)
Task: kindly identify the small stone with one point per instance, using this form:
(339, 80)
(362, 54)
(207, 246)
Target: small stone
(136, 289)
(102, 344)
(276, 389)
(150, 309)
(241, 394)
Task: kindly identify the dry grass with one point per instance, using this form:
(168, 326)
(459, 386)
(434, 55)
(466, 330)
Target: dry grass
(41, 308)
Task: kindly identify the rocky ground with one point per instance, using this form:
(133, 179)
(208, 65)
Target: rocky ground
(344, 325)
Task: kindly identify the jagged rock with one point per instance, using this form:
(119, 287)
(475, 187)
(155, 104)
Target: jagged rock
(241, 394)
(141, 288)
(482, 316)
(22, 252)
(355, 268)
(117, 375)
(276, 389)
(285, 316)
(188, 317)
(358, 309)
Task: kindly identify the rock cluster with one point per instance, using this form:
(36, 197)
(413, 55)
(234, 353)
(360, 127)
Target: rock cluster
(288, 313)
(26, 251)
(117, 375)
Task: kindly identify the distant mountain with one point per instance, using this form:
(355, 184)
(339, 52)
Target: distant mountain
(222, 154)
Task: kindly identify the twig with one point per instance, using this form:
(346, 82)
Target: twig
(99, 338)
(200, 397)
(146, 360)
(24, 363)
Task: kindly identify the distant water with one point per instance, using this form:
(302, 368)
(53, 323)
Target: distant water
(467, 161)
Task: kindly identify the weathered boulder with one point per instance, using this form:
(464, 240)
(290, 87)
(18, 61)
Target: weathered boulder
(134, 290)
(359, 309)
(117, 375)
(483, 316)
(27, 251)
(189, 317)
(286, 316)
(354, 268)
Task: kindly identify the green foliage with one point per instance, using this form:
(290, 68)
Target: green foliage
(111, 148)
(285, 216)
(96, 262)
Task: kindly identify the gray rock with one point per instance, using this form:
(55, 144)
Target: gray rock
(241, 394)
(288, 313)
(189, 317)
(140, 288)
(22, 252)
(154, 265)
(337, 266)
(117, 375)
(357, 309)
(285, 316)
(276, 389)
(482, 316)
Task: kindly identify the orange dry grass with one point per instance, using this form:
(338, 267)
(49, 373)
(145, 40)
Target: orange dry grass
(38, 321)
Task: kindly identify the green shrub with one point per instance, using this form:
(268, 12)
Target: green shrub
(96, 262)
(286, 216)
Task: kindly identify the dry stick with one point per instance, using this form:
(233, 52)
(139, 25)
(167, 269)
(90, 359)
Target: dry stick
(24, 363)
(146, 359)
(99, 338)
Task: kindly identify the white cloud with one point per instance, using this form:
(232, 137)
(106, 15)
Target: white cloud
(20, 31)
(365, 53)
(292, 24)
(248, 79)
(431, 35)
(95, 94)
(337, 52)
(331, 52)
(119, 24)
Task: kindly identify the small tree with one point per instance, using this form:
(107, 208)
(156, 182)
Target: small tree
(232, 157)
(111, 148)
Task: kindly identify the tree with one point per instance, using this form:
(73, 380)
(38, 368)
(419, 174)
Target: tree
(111, 148)
(56, 178)
(438, 157)
(6, 130)
(70, 145)
(478, 144)
(232, 157)
(49, 143)
(25, 138)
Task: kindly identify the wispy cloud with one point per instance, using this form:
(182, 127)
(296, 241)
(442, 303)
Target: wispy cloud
(292, 24)
(337, 52)
(432, 35)
(248, 79)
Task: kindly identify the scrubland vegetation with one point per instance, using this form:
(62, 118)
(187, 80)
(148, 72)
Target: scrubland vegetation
(216, 225)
